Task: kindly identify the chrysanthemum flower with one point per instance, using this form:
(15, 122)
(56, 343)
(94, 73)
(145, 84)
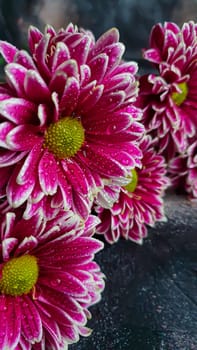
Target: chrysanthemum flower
(140, 202)
(169, 96)
(67, 118)
(48, 279)
(183, 171)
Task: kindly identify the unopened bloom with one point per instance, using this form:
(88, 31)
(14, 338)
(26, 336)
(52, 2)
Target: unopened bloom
(168, 96)
(183, 171)
(67, 119)
(48, 279)
(140, 201)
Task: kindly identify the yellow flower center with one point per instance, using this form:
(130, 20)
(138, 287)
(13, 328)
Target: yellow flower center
(19, 275)
(179, 97)
(131, 186)
(65, 137)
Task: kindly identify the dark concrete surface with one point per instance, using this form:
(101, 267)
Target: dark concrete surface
(150, 299)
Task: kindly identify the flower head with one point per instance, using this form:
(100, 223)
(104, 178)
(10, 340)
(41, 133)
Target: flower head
(183, 171)
(168, 96)
(47, 280)
(67, 119)
(140, 202)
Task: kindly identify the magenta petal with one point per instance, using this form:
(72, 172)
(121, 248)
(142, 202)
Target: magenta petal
(26, 245)
(8, 245)
(3, 328)
(108, 38)
(17, 110)
(91, 99)
(10, 330)
(65, 189)
(75, 176)
(4, 130)
(64, 282)
(69, 97)
(69, 67)
(8, 51)
(80, 205)
(47, 171)
(40, 56)
(110, 101)
(23, 58)
(31, 321)
(58, 82)
(80, 49)
(36, 88)
(102, 163)
(10, 158)
(98, 66)
(18, 194)
(34, 36)
(27, 170)
(16, 75)
(61, 55)
(23, 138)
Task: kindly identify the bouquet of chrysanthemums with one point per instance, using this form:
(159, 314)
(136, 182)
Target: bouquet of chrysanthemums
(87, 147)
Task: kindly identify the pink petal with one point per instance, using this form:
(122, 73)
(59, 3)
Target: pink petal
(26, 245)
(8, 245)
(11, 158)
(18, 194)
(16, 75)
(17, 110)
(4, 130)
(69, 97)
(69, 67)
(40, 55)
(75, 176)
(10, 313)
(35, 87)
(85, 74)
(23, 58)
(63, 282)
(47, 171)
(98, 66)
(60, 56)
(80, 49)
(101, 163)
(80, 205)
(110, 102)
(27, 170)
(58, 82)
(65, 189)
(34, 36)
(108, 38)
(31, 320)
(90, 99)
(8, 51)
(23, 137)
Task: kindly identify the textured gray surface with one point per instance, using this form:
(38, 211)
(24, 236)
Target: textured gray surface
(151, 291)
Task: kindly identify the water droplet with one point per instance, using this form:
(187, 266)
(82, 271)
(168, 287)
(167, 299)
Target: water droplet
(55, 283)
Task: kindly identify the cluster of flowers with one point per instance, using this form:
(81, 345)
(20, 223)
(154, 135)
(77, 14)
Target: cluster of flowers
(84, 148)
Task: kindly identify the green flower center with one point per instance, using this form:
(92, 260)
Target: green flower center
(65, 137)
(179, 97)
(19, 275)
(131, 186)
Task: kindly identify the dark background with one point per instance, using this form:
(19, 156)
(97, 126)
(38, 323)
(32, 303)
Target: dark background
(150, 299)
(134, 18)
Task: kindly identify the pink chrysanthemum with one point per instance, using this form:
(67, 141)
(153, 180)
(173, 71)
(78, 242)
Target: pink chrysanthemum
(183, 171)
(169, 97)
(67, 118)
(48, 279)
(140, 202)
